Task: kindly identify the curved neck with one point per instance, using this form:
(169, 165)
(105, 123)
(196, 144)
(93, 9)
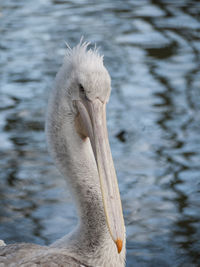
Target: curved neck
(75, 159)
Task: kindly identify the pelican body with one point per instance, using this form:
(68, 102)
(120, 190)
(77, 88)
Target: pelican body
(78, 142)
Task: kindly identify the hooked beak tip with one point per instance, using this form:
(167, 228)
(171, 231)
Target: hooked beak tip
(119, 245)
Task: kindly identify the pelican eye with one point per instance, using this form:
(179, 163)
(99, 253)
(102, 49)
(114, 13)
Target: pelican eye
(81, 88)
(82, 92)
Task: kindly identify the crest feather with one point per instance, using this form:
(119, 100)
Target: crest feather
(80, 56)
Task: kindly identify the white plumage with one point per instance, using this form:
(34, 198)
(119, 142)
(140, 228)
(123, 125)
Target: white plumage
(78, 142)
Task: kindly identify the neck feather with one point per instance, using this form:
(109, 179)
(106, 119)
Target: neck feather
(74, 158)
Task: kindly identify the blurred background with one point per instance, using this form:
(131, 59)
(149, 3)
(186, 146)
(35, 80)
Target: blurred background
(152, 51)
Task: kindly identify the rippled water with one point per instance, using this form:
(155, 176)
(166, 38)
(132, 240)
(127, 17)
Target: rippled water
(152, 50)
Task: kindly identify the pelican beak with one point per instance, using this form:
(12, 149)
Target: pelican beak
(93, 120)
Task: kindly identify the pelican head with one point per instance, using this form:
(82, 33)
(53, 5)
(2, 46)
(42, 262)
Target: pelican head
(88, 77)
(88, 87)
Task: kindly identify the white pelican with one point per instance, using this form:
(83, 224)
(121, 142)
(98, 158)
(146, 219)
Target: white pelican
(78, 142)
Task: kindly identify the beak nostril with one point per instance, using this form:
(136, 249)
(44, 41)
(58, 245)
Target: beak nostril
(100, 100)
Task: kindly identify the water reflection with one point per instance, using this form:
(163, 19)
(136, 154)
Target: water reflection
(152, 52)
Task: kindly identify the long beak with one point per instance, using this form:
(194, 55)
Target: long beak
(93, 119)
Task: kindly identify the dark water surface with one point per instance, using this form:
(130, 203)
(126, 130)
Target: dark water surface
(152, 50)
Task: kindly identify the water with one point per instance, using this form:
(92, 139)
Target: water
(152, 51)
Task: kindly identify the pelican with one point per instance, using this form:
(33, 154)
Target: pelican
(78, 143)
